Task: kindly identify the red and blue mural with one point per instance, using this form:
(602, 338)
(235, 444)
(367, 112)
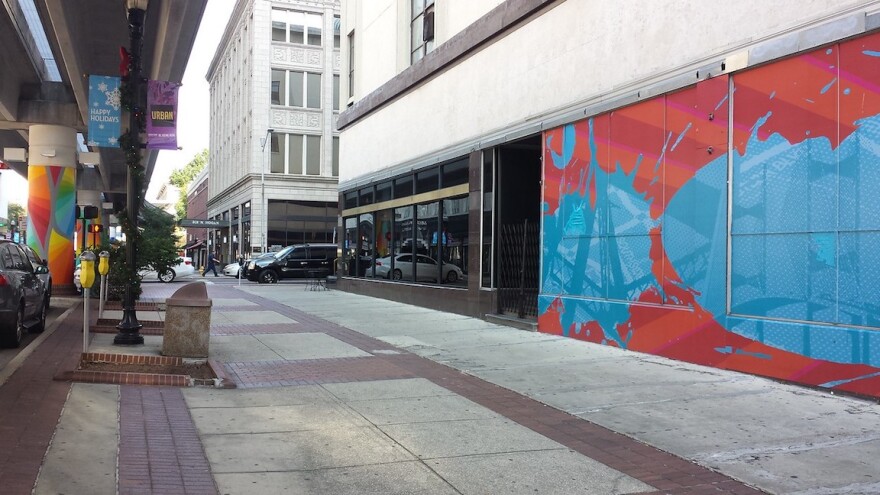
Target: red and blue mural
(760, 254)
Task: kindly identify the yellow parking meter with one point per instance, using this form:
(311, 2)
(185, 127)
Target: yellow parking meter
(87, 269)
(104, 263)
(86, 278)
(103, 269)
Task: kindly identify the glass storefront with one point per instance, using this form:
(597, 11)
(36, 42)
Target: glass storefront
(300, 222)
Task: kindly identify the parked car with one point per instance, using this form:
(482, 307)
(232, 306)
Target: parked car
(233, 269)
(183, 268)
(23, 298)
(45, 277)
(426, 268)
(300, 260)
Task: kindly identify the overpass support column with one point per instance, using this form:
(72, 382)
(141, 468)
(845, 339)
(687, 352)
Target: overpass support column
(52, 198)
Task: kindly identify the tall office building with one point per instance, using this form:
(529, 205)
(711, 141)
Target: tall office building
(273, 160)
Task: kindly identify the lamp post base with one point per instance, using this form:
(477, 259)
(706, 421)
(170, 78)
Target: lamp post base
(129, 329)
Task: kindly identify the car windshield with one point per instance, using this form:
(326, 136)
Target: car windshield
(283, 252)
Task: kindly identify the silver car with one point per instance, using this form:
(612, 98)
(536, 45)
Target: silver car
(24, 301)
(426, 268)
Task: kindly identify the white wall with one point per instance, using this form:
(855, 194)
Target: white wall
(577, 50)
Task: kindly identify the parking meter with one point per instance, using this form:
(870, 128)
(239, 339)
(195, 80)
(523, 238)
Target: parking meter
(87, 279)
(103, 269)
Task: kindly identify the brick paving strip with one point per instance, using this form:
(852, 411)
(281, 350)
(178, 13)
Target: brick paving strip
(666, 472)
(159, 447)
(31, 403)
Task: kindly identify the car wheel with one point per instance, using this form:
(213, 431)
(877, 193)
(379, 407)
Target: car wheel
(268, 277)
(397, 274)
(452, 276)
(44, 313)
(167, 276)
(13, 335)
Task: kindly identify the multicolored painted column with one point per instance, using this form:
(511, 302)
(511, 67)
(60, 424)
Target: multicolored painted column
(52, 198)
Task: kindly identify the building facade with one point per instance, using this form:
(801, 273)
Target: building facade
(273, 158)
(686, 180)
(197, 207)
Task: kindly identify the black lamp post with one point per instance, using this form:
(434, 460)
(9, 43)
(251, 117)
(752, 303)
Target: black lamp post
(129, 328)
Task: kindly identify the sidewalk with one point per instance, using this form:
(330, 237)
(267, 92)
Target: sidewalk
(340, 393)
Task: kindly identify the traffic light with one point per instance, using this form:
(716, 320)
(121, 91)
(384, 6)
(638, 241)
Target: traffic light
(87, 212)
(96, 228)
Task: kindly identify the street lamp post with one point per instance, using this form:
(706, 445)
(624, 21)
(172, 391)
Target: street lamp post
(263, 205)
(129, 327)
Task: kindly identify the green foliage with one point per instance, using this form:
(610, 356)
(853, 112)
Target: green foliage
(181, 178)
(157, 247)
(15, 211)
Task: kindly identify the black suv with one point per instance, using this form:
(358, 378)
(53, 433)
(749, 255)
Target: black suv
(299, 260)
(24, 296)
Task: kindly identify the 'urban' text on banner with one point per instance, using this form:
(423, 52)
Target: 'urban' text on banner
(162, 115)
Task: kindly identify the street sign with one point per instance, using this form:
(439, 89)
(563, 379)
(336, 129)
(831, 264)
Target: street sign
(209, 224)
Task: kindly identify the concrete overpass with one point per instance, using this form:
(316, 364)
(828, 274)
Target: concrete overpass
(82, 38)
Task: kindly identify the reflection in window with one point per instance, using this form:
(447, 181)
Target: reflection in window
(427, 235)
(293, 26)
(349, 245)
(453, 244)
(337, 27)
(366, 251)
(277, 87)
(277, 160)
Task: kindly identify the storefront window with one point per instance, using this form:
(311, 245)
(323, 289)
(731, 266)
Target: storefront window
(366, 246)
(453, 245)
(428, 235)
(488, 218)
(349, 245)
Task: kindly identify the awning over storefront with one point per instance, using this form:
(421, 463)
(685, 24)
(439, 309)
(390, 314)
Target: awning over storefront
(194, 245)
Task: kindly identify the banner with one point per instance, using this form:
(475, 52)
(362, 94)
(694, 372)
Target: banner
(105, 113)
(162, 115)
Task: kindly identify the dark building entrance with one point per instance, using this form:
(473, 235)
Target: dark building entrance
(517, 227)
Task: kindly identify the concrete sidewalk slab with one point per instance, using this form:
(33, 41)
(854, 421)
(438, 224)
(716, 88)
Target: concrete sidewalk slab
(222, 303)
(239, 348)
(420, 410)
(88, 419)
(197, 398)
(562, 472)
(302, 450)
(224, 318)
(386, 389)
(297, 346)
(267, 419)
(400, 478)
(467, 438)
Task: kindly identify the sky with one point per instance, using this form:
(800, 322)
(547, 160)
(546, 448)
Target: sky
(194, 99)
(193, 108)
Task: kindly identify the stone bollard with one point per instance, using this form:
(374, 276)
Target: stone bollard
(187, 322)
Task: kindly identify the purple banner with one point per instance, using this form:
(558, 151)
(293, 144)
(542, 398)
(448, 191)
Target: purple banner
(162, 115)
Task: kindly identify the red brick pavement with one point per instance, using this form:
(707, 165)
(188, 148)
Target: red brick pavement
(159, 447)
(31, 403)
(667, 473)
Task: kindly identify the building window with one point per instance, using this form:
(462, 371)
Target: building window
(337, 27)
(335, 92)
(421, 29)
(296, 89)
(335, 157)
(292, 26)
(351, 65)
(297, 154)
(278, 87)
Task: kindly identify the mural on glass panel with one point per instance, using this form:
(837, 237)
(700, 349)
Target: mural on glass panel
(638, 237)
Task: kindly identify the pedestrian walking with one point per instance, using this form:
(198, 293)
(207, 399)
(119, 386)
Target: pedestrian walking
(212, 266)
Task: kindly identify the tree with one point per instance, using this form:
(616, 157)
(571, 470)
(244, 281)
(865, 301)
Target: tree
(181, 177)
(15, 211)
(156, 251)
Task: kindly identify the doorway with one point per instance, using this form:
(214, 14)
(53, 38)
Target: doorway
(517, 227)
